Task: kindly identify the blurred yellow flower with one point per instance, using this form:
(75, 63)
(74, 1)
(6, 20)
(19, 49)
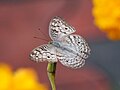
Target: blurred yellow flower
(22, 79)
(107, 17)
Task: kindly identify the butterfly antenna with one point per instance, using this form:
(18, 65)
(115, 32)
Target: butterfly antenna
(41, 38)
(42, 32)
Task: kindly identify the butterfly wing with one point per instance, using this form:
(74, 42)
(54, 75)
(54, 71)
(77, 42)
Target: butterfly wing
(79, 44)
(74, 52)
(58, 28)
(70, 60)
(43, 53)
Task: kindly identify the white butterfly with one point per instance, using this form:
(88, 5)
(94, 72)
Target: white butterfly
(70, 49)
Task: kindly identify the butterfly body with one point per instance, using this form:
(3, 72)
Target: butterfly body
(63, 46)
(70, 49)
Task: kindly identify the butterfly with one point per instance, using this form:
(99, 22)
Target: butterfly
(68, 48)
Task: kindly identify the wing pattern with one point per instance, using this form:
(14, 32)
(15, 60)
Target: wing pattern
(75, 51)
(70, 49)
(58, 28)
(43, 53)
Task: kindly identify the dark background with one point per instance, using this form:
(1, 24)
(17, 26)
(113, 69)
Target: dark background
(19, 23)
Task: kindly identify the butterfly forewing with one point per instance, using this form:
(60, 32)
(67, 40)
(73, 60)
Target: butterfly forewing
(46, 52)
(58, 28)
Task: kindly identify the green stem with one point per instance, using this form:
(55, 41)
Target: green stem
(51, 68)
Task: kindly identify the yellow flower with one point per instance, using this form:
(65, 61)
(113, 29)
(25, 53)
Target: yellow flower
(22, 79)
(107, 17)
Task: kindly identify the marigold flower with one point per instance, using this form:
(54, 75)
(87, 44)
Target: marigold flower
(22, 79)
(107, 17)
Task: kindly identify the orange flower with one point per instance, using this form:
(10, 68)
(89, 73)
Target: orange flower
(22, 79)
(107, 17)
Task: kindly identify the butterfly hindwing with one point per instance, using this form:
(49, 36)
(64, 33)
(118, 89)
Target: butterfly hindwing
(79, 44)
(43, 53)
(74, 62)
(75, 51)
(58, 28)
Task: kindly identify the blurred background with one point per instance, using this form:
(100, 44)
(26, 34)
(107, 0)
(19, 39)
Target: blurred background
(98, 21)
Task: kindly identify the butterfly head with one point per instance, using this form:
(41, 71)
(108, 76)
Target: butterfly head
(55, 43)
(50, 42)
